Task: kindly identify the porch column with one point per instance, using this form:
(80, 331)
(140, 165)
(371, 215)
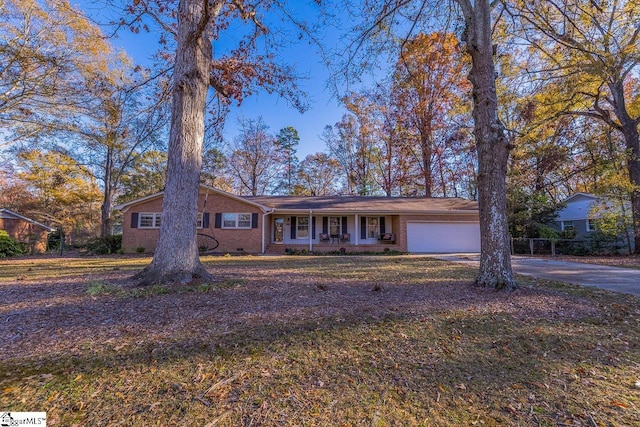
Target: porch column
(310, 230)
(357, 230)
(264, 245)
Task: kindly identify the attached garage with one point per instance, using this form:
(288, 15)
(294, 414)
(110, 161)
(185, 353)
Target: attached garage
(443, 237)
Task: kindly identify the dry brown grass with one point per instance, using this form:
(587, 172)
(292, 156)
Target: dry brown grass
(313, 341)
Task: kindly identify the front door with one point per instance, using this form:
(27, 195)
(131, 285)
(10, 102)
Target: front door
(278, 230)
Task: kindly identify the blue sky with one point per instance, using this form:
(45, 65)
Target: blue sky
(304, 58)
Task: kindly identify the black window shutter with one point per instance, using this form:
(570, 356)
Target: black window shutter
(313, 227)
(363, 227)
(218, 220)
(293, 227)
(205, 220)
(134, 220)
(325, 225)
(382, 228)
(254, 220)
(344, 224)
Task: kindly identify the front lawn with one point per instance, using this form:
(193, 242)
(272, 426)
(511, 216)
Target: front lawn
(351, 341)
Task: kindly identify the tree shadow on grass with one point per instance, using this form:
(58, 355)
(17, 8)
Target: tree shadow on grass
(317, 352)
(458, 363)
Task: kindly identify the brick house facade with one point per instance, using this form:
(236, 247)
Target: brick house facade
(140, 232)
(275, 224)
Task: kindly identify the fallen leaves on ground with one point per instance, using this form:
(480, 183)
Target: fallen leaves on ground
(313, 341)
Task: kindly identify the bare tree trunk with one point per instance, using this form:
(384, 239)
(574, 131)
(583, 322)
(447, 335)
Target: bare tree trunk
(425, 141)
(443, 181)
(493, 150)
(176, 258)
(107, 194)
(105, 213)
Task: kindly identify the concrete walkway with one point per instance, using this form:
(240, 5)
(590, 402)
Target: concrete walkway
(623, 280)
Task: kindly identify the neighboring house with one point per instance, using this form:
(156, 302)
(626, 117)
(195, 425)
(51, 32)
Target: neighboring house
(25, 230)
(576, 215)
(583, 212)
(272, 224)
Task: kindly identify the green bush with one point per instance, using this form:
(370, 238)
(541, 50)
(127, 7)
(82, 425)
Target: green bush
(105, 245)
(8, 246)
(54, 239)
(547, 232)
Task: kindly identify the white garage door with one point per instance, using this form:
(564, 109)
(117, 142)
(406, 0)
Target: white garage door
(443, 237)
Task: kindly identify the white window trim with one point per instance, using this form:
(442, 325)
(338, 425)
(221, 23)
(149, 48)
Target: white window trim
(377, 232)
(563, 227)
(156, 217)
(590, 227)
(298, 237)
(339, 225)
(236, 225)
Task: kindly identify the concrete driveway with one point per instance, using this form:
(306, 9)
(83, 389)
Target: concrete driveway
(624, 280)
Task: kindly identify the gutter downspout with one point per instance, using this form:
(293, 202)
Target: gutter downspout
(264, 216)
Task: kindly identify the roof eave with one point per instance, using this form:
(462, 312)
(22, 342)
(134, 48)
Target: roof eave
(264, 208)
(125, 206)
(375, 212)
(578, 194)
(29, 220)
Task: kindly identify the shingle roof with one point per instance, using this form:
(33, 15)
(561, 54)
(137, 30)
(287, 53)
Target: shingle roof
(368, 204)
(336, 204)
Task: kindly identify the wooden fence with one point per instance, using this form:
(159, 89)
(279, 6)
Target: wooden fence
(562, 247)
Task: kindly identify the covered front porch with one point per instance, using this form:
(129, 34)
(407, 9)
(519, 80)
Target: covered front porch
(308, 231)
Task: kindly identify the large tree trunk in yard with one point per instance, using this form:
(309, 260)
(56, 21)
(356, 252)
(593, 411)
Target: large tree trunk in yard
(176, 257)
(633, 167)
(493, 150)
(629, 128)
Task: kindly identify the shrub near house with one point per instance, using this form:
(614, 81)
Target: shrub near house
(8, 246)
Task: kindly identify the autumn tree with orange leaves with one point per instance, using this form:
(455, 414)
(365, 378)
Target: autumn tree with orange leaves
(430, 89)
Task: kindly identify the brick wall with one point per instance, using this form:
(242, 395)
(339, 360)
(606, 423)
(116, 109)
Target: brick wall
(25, 232)
(230, 240)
